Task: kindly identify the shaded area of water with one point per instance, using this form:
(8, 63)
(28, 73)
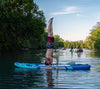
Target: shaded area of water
(18, 78)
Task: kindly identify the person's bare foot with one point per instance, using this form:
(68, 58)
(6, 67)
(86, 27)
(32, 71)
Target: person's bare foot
(51, 19)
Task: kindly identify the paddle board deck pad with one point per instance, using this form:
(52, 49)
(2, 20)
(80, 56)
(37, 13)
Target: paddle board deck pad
(43, 66)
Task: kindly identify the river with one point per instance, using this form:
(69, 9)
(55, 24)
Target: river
(18, 78)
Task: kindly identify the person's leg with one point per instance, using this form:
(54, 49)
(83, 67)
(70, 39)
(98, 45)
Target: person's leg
(50, 29)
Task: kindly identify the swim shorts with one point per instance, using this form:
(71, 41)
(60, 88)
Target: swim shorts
(50, 43)
(50, 39)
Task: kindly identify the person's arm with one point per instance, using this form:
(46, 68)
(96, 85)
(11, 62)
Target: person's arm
(56, 59)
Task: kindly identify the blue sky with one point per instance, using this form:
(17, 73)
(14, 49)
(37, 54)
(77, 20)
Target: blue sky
(73, 19)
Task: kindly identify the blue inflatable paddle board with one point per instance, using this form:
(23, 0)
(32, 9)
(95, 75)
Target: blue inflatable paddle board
(43, 66)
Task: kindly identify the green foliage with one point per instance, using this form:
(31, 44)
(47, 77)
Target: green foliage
(59, 42)
(97, 44)
(43, 40)
(68, 44)
(21, 24)
(93, 41)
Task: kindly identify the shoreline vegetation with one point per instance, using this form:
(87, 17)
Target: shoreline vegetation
(23, 27)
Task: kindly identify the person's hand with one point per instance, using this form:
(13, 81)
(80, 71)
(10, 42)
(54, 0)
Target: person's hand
(55, 64)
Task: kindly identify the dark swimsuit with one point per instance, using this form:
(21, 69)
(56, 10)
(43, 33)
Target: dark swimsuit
(50, 43)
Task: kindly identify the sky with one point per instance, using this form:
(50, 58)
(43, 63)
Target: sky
(73, 19)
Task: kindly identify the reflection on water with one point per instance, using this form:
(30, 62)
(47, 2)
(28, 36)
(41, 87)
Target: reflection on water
(72, 54)
(20, 78)
(50, 79)
(79, 54)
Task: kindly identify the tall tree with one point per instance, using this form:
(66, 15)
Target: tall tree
(93, 41)
(21, 24)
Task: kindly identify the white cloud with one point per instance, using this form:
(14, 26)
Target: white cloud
(68, 10)
(80, 15)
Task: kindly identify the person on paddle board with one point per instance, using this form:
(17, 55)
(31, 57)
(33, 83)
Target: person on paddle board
(50, 45)
(71, 50)
(80, 49)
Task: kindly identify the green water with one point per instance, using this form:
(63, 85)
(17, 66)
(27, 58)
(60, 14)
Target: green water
(18, 78)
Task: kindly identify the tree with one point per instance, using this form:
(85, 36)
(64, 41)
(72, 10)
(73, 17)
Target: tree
(93, 41)
(21, 24)
(59, 42)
